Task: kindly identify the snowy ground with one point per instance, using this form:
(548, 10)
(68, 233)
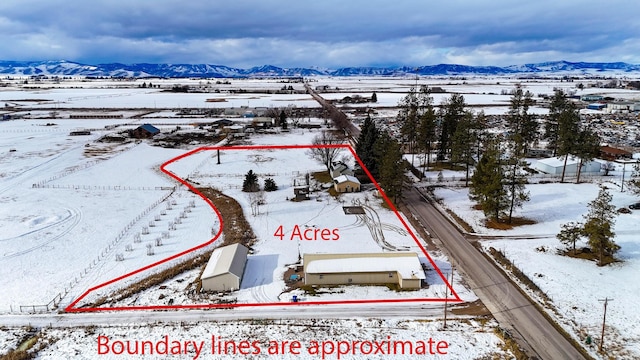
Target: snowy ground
(312, 335)
(69, 206)
(576, 287)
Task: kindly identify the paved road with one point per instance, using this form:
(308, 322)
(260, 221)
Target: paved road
(340, 311)
(513, 310)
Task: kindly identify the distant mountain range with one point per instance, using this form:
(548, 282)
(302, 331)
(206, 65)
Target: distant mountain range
(68, 68)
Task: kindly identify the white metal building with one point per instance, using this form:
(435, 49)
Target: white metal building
(401, 268)
(554, 166)
(225, 268)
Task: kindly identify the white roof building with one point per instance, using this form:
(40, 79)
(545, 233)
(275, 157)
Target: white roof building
(554, 166)
(401, 268)
(225, 268)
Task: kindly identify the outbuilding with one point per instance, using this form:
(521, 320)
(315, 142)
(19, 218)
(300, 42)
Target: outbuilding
(555, 165)
(225, 268)
(145, 131)
(346, 183)
(401, 268)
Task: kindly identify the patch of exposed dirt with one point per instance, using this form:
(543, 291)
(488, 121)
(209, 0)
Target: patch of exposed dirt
(475, 308)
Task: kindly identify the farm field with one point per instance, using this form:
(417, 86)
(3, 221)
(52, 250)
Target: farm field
(79, 212)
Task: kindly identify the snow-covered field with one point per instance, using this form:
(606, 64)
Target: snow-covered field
(283, 339)
(576, 287)
(75, 213)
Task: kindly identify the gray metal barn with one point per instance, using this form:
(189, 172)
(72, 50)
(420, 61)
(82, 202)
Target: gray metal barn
(225, 268)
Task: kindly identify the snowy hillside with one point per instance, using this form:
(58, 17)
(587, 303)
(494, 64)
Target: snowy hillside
(68, 68)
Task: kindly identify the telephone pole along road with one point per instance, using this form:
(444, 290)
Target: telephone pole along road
(513, 311)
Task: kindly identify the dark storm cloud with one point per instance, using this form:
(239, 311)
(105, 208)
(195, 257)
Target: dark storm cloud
(324, 33)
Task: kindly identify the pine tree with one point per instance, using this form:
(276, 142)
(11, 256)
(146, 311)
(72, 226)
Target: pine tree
(365, 147)
(634, 183)
(487, 183)
(558, 106)
(522, 131)
(283, 120)
(463, 143)
(587, 148)
(408, 118)
(250, 183)
(374, 97)
(391, 175)
(571, 232)
(270, 185)
(598, 225)
(426, 131)
(568, 129)
(522, 127)
(451, 111)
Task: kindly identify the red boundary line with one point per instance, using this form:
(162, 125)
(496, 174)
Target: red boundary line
(72, 307)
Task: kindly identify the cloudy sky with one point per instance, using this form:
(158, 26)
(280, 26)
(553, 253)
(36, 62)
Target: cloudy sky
(324, 33)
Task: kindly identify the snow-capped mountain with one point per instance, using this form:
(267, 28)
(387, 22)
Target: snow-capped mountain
(68, 68)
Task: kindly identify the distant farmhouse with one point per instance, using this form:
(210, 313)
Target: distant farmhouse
(397, 268)
(145, 131)
(225, 268)
(611, 153)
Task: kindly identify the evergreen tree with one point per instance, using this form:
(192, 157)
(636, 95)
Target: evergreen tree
(451, 111)
(408, 118)
(634, 184)
(283, 120)
(586, 148)
(463, 143)
(270, 185)
(250, 183)
(598, 226)
(568, 130)
(391, 175)
(487, 183)
(522, 131)
(571, 232)
(426, 131)
(365, 147)
(522, 127)
(558, 105)
(374, 97)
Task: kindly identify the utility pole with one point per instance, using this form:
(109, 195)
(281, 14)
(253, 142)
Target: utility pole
(604, 318)
(446, 297)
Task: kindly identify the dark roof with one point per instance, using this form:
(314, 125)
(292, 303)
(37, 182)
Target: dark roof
(149, 128)
(612, 150)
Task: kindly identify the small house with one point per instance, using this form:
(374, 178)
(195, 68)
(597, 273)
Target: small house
(346, 183)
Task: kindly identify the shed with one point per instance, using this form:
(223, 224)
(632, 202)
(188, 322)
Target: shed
(401, 268)
(554, 166)
(346, 183)
(145, 131)
(338, 168)
(225, 268)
